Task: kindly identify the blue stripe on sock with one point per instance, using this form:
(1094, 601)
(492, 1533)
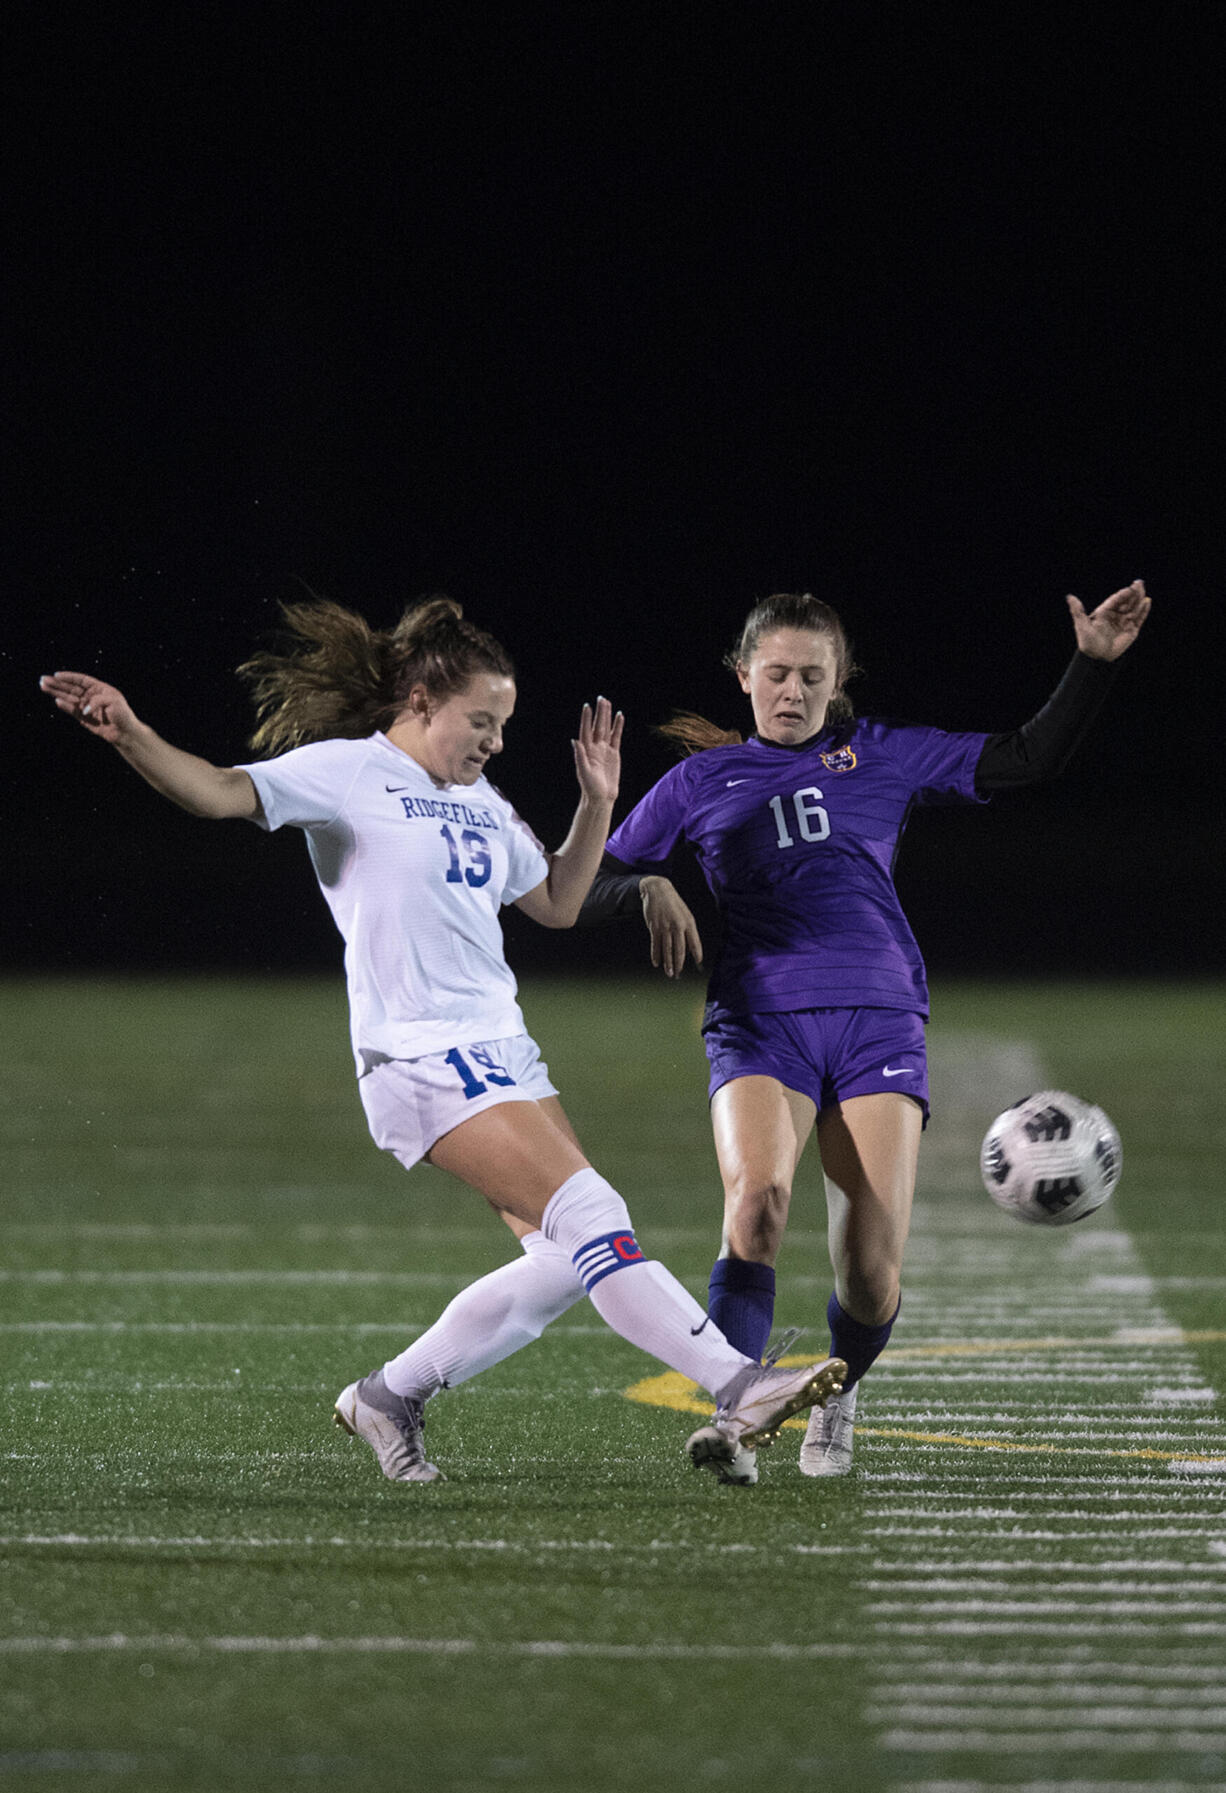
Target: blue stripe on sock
(601, 1256)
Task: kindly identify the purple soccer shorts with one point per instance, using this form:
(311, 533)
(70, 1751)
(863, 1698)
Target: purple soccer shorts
(825, 1054)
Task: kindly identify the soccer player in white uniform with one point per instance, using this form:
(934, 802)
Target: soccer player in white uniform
(380, 742)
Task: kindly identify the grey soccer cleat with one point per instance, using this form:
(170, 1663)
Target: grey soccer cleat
(752, 1408)
(391, 1425)
(828, 1442)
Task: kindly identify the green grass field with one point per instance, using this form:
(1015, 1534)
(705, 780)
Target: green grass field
(205, 1585)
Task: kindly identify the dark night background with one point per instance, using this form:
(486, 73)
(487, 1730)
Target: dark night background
(608, 320)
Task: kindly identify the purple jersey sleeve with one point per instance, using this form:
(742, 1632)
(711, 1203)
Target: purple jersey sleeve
(655, 825)
(940, 767)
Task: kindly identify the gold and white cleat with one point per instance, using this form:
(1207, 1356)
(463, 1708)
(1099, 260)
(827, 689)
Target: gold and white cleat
(751, 1411)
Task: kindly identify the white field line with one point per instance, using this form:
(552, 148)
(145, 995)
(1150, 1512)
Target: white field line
(1054, 1669)
(400, 1236)
(425, 1279)
(306, 1232)
(1184, 1403)
(1056, 1694)
(128, 1762)
(496, 1546)
(1090, 1585)
(1088, 1605)
(1084, 1486)
(1063, 1785)
(1128, 1374)
(257, 1326)
(1161, 1534)
(1093, 1629)
(127, 1385)
(1053, 1786)
(311, 1645)
(1077, 1515)
(968, 1477)
(1138, 1435)
(1100, 1715)
(1072, 1741)
(1136, 1565)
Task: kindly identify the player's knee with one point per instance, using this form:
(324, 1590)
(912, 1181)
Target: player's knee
(755, 1220)
(870, 1295)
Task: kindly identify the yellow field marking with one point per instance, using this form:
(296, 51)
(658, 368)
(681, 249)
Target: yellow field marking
(683, 1396)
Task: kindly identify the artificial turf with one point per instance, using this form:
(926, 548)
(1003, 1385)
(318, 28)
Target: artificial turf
(206, 1585)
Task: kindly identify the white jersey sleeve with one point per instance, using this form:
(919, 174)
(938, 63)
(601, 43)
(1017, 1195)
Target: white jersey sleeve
(527, 860)
(307, 787)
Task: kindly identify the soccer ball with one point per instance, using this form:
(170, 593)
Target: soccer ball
(1051, 1158)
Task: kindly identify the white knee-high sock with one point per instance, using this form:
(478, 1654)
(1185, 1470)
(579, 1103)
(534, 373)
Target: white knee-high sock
(640, 1299)
(488, 1320)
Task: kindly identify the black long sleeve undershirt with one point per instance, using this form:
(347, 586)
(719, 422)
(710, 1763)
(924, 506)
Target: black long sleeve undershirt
(615, 893)
(1042, 747)
(1039, 749)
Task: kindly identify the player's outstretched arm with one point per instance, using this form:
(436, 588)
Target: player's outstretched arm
(556, 902)
(1109, 631)
(194, 784)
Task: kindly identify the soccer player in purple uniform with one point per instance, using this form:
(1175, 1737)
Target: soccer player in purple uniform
(817, 998)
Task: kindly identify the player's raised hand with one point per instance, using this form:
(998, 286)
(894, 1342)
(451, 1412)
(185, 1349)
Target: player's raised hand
(1110, 630)
(99, 707)
(598, 751)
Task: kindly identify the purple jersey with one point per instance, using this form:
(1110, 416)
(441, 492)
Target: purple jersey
(798, 845)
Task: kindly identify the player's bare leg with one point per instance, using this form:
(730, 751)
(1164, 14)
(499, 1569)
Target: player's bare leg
(870, 1148)
(760, 1128)
(760, 1131)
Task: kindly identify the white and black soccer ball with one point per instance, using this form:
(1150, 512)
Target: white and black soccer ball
(1051, 1158)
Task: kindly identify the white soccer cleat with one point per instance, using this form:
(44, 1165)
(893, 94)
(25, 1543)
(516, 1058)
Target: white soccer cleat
(828, 1442)
(392, 1429)
(751, 1411)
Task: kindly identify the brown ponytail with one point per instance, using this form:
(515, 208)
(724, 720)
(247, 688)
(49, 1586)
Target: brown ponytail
(340, 677)
(695, 734)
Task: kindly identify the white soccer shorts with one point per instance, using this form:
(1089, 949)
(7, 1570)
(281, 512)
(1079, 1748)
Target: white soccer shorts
(411, 1102)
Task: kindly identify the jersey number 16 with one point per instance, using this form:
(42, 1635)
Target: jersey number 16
(811, 819)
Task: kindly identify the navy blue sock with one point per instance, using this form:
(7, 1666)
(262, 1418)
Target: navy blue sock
(741, 1301)
(857, 1344)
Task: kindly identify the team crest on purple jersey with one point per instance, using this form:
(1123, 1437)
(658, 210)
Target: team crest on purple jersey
(843, 759)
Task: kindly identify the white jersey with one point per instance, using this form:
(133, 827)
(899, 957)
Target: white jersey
(414, 876)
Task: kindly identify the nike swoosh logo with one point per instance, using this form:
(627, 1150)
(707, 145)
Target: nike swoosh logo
(902, 1071)
(695, 1330)
(395, 787)
(733, 781)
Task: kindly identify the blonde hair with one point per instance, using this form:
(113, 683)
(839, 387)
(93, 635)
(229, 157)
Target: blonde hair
(340, 677)
(783, 610)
